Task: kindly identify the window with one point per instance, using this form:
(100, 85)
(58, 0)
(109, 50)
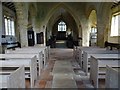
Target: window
(62, 26)
(115, 25)
(93, 30)
(9, 26)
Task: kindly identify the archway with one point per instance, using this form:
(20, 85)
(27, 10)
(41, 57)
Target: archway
(63, 15)
(93, 28)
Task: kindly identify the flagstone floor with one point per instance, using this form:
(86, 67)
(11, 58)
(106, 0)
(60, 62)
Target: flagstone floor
(59, 54)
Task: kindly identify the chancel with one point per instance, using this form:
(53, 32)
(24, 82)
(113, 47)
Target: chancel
(60, 44)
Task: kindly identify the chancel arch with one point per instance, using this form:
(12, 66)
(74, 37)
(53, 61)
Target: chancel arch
(63, 14)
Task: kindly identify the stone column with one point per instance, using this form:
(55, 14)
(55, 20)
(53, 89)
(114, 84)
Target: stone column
(85, 34)
(0, 26)
(22, 23)
(23, 35)
(100, 36)
(100, 31)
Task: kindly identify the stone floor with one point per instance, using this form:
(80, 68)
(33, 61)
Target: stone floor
(59, 54)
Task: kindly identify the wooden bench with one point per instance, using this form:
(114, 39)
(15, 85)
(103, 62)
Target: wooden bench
(32, 50)
(74, 52)
(28, 63)
(14, 80)
(87, 54)
(112, 45)
(23, 57)
(46, 51)
(81, 49)
(112, 77)
(98, 68)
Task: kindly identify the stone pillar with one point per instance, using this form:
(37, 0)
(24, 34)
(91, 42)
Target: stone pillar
(100, 32)
(85, 34)
(0, 26)
(23, 36)
(22, 23)
(100, 36)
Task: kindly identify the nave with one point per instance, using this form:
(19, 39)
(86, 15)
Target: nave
(80, 67)
(58, 44)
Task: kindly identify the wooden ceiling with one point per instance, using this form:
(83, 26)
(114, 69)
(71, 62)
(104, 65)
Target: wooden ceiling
(115, 4)
(10, 5)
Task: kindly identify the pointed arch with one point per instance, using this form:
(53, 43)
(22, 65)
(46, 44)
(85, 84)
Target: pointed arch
(32, 9)
(64, 6)
(54, 16)
(93, 18)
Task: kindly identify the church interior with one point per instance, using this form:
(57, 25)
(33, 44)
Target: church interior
(59, 44)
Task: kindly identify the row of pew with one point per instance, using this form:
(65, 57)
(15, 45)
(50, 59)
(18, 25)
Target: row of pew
(13, 80)
(32, 59)
(94, 60)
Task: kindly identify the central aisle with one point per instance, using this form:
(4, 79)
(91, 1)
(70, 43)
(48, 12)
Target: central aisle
(63, 75)
(62, 71)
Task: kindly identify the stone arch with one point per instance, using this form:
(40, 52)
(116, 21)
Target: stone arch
(93, 18)
(32, 11)
(67, 9)
(90, 9)
(55, 8)
(93, 28)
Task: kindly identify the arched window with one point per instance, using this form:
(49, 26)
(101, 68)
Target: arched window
(61, 26)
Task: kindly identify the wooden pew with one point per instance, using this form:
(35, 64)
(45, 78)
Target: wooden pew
(98, 68)
(32, 50)
(28, 63)
(74, 52)
(112, 77)
(14, 80)
(23, 57)
(46, 50)
(87, 54)
(81, 49)
(112, 45)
